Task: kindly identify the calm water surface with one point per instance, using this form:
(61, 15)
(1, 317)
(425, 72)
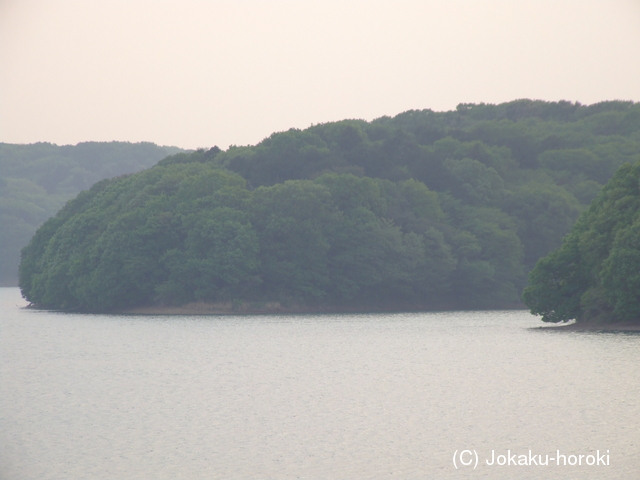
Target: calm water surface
(313, 396)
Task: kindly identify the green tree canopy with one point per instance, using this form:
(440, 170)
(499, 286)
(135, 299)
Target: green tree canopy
(191, 231)
(593, 276)
(448, 208)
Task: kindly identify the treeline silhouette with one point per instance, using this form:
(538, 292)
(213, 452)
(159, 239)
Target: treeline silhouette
(422, 210)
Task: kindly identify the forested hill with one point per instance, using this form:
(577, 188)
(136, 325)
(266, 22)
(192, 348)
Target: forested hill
(536, 163)
(37, 179)
(425, 209)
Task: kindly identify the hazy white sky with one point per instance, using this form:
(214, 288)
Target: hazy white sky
(194, 73)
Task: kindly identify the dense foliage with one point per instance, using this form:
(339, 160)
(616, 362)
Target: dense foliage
(427, 209)
(36, 180)
(186, 232)
(595, 275)
(540, 163)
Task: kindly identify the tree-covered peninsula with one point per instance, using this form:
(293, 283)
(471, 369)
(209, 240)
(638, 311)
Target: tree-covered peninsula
(422, 210)
(594, 277)
(192, 231)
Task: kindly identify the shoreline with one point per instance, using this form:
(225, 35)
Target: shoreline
(603, 327)
(276, 308)
(229, 308)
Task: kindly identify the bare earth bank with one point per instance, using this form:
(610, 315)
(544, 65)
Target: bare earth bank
(203, 308)
(229, 308)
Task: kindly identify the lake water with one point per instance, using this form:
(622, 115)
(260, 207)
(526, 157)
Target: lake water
(311, 396)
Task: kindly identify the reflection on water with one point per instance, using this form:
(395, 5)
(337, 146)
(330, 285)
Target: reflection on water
(315, 396)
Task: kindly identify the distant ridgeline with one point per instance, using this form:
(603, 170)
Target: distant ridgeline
(423, 210)
(594, 277)
(36, 180)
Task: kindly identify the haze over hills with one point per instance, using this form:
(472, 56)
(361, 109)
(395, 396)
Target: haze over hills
(423, 210)
(37, 179)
